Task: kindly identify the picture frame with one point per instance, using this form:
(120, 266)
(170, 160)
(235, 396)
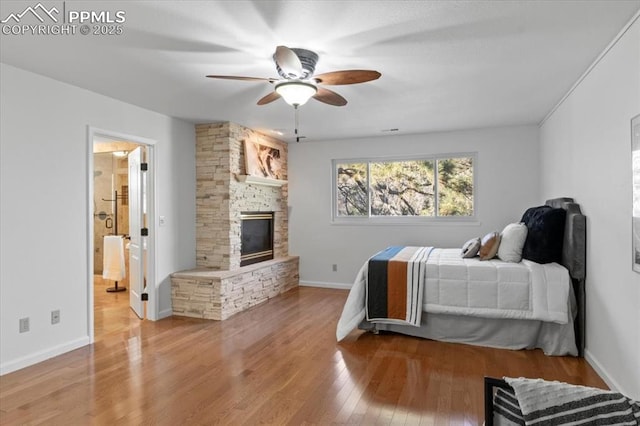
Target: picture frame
(263, 160)
(635, 185)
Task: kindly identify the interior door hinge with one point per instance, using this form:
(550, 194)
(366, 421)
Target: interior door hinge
(144, 232)
(144, 166)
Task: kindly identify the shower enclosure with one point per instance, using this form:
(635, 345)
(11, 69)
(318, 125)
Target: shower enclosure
(111, 207)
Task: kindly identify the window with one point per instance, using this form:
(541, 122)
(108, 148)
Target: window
(426, 187)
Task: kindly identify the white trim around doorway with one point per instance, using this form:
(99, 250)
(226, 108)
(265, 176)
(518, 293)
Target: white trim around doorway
(94, 133)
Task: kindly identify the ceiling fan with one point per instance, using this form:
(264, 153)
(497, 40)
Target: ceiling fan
(297, 83)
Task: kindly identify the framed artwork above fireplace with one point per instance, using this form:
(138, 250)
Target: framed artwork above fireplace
(263, 160)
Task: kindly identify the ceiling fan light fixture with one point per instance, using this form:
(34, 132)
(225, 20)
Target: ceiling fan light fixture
(296, 92)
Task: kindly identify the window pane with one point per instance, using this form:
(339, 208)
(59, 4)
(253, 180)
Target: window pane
(351, 184)
(455, 187)
(402, 188)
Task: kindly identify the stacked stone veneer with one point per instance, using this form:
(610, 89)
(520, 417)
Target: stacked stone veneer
(220, 197)
(219, 287)
(219, 294)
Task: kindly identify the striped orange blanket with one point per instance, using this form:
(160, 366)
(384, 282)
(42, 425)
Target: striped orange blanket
(395, 285)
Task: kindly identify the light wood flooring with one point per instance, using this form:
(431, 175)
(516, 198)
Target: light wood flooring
(277, 363)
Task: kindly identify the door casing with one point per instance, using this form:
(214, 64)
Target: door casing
(97, 134)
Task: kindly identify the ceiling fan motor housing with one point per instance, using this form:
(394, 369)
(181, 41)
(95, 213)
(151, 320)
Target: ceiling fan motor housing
(298, 84)
(308, 59)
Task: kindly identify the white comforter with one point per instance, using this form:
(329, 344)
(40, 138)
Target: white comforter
(490, 289)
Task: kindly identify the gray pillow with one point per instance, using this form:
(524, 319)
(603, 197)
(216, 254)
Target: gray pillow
(471, 248)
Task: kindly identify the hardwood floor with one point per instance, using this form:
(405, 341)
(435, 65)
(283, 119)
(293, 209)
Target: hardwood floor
(277, 363)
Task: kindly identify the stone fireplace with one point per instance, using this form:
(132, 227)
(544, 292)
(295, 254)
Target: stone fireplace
(221, 196)
(228, 280)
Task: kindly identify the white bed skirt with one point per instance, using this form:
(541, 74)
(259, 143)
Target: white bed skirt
(552, 338)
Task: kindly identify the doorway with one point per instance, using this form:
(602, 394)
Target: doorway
(121, 250)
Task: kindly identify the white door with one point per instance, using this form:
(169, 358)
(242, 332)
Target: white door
(136, 223)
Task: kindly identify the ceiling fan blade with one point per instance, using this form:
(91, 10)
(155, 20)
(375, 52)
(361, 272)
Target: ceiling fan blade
(288, 61)
(347, 77)
(233, 77)
(329, 97)
(273, 96)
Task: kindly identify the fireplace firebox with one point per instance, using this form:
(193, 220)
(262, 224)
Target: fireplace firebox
(256, 237)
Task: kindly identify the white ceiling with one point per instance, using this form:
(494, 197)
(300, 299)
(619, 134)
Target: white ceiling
(446, 65)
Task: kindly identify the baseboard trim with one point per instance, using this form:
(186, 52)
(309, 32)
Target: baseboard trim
(165, 313)
(322, 284)
(602, 372)
(29, 360)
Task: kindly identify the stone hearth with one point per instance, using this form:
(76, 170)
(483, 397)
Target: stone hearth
(210, 294)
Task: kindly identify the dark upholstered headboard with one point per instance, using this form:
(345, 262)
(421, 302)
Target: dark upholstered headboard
(574, 258)
(574, 248)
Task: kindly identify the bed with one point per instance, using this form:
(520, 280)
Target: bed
(519, 315)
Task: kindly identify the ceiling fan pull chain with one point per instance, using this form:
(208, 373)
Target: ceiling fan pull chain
(295, 108)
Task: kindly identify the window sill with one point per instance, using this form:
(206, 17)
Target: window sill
(414, 221)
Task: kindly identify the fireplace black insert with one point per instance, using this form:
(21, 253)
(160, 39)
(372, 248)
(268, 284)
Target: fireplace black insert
(256, 237)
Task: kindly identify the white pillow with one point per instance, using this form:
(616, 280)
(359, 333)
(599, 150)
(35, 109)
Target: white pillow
(512, 241)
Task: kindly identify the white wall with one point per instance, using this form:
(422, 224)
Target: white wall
(585, 153)
(507, 183)
(43, 221)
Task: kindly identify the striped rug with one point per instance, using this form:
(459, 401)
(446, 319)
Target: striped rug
(555, 403)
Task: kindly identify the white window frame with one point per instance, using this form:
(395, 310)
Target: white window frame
(404, 220)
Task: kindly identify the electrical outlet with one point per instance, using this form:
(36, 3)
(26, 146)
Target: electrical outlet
(24, 325)
(55, 316)
(335, 267)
